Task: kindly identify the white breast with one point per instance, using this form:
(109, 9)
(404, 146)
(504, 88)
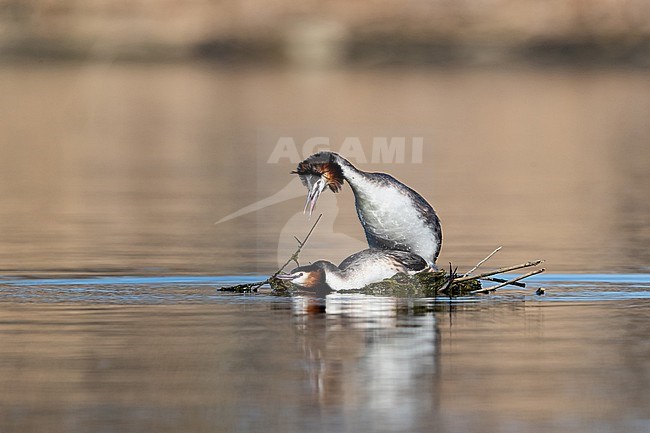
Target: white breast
(370, 271)
(389, 214)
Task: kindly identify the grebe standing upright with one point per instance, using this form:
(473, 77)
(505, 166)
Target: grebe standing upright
(357, 271)
(394, 216)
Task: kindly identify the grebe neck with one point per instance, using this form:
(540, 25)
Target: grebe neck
(353, 175)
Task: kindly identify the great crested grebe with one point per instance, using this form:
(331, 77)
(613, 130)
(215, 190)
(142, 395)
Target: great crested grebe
(360, 269)
(394, 216)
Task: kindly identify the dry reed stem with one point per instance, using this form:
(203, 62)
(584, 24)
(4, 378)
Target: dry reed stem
(252, 287)
(498, 286)
(482, 261)
(499, 271)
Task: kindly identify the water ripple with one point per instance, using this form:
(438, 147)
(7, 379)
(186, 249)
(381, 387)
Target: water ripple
(203, 289)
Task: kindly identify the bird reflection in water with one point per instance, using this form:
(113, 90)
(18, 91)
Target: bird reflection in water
(371, 360)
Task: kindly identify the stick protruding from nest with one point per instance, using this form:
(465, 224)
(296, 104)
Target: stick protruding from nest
(273, 280)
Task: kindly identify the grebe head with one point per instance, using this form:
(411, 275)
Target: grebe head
(309, 276)
(318, 172)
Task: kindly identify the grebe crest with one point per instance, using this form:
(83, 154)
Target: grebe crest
(308, 276)
(318, 172)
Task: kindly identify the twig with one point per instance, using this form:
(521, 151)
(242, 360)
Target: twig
(499, 271)
(498, 286)
(481, 262)
(501, 280)
(449, 280)
(252, 287)
(294, 256)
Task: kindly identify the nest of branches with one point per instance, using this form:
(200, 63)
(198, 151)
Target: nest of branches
(426, 284)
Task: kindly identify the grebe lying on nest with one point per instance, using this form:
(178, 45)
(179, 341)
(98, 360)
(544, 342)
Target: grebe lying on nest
(357, 271)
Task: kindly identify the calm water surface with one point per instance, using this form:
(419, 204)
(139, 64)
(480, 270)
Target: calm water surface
(111, 180)
(171, 354)
(125, 168)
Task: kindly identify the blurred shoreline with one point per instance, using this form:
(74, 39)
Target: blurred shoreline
(385, 50)
(393, 51)
(330, 33)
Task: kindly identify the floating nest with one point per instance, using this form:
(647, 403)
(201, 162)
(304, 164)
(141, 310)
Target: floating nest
(425, 284)
(422, 285)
